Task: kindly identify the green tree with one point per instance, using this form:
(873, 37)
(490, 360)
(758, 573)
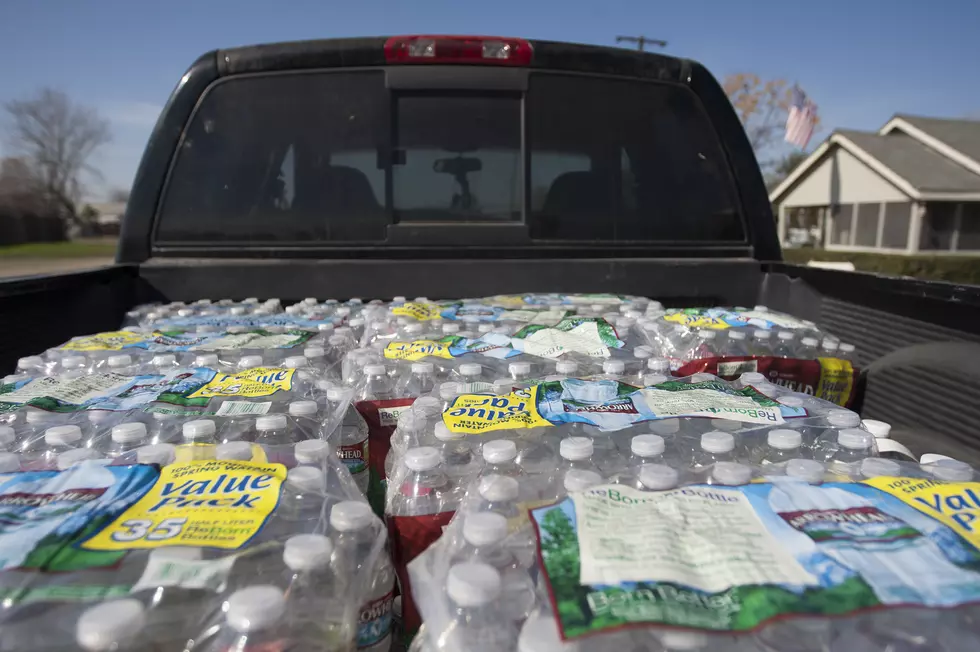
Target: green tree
(561, 557)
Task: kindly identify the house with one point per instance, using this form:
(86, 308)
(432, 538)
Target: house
(914, 186)
(108, 216)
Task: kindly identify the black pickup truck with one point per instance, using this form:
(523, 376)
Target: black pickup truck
(473, 166)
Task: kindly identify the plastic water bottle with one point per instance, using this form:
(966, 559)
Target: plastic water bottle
(276, 437)
(520, 371)
(209, 360)
(354, 539)
(500, 458)
(159, 454)
(810, 471)
(75, 456)
(566, 368)
(807, 349)
(311, 452)
(736, 344)
(112, 626)
(254, 620)
(301, 503)
(32, 365)
(121, 364)
(659, 366)
(314, 606)
(785, 348)
(459, 459)
(426, 489)
(484, 536)
(613, 369)
(828, 348)
(715, 446)
(847, 352)
(56, 440)
(575, 480)
(880, 429)
(656, 477)
(706, 345)
(576, 454)
(353, 447)
(127, 437)
(199, 441)
(376, 385)
(782, 445)
(471, 375)
(853, 445)
(499, 494)
(421, 380)
(731, 473)
(949, 470)
(646, 449)
(478, 624)
(239, 451)
(305, 419)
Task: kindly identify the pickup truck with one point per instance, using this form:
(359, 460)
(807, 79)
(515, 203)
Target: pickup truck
(472, 166)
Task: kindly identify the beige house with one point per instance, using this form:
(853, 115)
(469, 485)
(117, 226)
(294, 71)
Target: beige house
(912, 186)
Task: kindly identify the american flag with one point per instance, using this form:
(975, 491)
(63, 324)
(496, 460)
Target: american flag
(802, 117)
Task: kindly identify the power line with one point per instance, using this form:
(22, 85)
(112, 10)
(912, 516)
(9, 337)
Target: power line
(642, 41)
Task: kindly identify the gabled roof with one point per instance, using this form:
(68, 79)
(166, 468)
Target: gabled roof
(926, 158)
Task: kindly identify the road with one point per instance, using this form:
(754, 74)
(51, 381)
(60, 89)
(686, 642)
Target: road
(15, 266)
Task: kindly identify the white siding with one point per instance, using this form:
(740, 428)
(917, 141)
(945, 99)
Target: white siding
(856, 184)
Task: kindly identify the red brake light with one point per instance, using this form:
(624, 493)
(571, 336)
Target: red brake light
(458, 49)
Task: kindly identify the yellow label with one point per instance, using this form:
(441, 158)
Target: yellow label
(697, 321)
(259, 381)
(217, 504)
(955, 504)
(420, 311)
(509, 301)
(836, 380)
(479, 413)
(417, 350)
(114, 341)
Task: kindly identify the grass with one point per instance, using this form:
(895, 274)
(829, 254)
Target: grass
(953, 269)
(76, 249)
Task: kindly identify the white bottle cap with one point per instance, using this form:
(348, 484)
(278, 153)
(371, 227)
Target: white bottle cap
(473, 584)
(613, 366)
(72, 457)
(350, 515)
(498, 487)
(6, 435)
(337, 340)
(785, 335)
(206, 360)
(443, 433)
(647, 445)
(73, 361)
(9, 462)
(736, 335)
(399, 299)
(311, 301)
(234, 450)
(109, 625)
(484, 328)
(643, 352)
(879, 429)
(307, 552)
(198, 429)
(659, 365)
(761, 334)
(295, 362)
(423, 367)
(422, 458)
(717, 441)
(313, 352)
(669, 426)
(162, 454)
(122, 360)
(305, 478)
(271, 422)
(450, 329)
(98, 416)
(761, 308)
(30, 361)
(708, 335)
(336, 393)
(874, 466)
(784, 439)
(809, 341)
(731, 473)
(503, 386)
(448, 391)
(375, 370)
(311, 451)
(164, 360)
(237, 310)
(62, 435)
(519, 368)
(499, 450)
(752, 378)
(566, 367)
(36, 417)
(580, 479)
(676, 641)
(576, 448)
(414, 329)
(303, 408)
(791, 401)
(654, 379)
(658, 477)
(845, 348)
(324, 328)
(890, 448)
(250, 361)
(843, 419)
(127, 433)
(484, 528)
(185, 312)
(950, 470)
(932, 458)
(255, 608)
(854, 439)
(829, 345)
(470, 369)
(810, 471)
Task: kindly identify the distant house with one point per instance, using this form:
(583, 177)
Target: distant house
(108, 217)
(914, 186)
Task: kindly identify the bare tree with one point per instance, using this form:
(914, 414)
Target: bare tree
(56, 138)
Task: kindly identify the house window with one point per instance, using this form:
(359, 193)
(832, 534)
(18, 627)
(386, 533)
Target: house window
(895, 232)
(969, 227)
(866, 229)
(938, 224)
(841, 234)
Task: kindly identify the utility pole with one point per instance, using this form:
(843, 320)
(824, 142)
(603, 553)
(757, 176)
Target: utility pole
(641, 41)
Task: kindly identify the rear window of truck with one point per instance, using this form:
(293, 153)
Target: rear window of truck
(335, 157)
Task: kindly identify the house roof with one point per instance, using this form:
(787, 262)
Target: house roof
(926, 158)
(925, 169)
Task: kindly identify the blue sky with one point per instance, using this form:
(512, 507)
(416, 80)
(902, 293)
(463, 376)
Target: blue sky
(859, 60)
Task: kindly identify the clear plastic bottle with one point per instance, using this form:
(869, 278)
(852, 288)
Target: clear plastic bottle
(354, 539)
(478, 623)
(576, 453)
(159, 454)
(471, 375)
(574, 480)
(209, 360)
(312, 452)
(613, 369)
(825, 443)
(249, 362)
(500, 458)
(420, 380)
(163, 363)
(828, 348)
(807, 349)
(656, 477)
(306, 422)
(163, 428)
(126, 437)
(459, 459)
(254, 620)
(782, 445)
(520, 371)
(566, 368)
(58, 440)
(484, 536)
(426, 488)
(761, 344)
(112, 626)
(301, 503)
(276, 436)
(73, 366)
(32, 365)
(314, 603)
(8, 439)
(731, 473)
(353, 448)
(853, 445)
(199, 441)
(540, 634)
(121, 364)
(715, 446)
(240, 451)
(645, 449)
(847, 352)
(451, 328)
(736, 345)
(500, 494)
(784, 348)
(376, 385)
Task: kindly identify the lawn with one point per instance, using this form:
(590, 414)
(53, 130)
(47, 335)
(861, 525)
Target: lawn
(76, 249)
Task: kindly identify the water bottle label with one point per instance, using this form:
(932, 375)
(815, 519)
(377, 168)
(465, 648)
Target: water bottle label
(203, 574)
(158, 342)
(237, 408)
(724, 318)
(216, 504)
(592, 336)
(259, 381)
(731, 558)
(354, 456)
(480, 413)
(374, 624)
(419, 311)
